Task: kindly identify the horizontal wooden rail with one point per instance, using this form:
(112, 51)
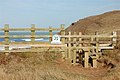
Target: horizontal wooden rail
(88, 48)
(87, 42)
(89, 36)
(65, 36)
(28, 29)
(37, 45)
(26, 36)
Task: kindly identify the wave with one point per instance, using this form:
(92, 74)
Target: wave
(16, 40)
(26, 40)
(35, 39)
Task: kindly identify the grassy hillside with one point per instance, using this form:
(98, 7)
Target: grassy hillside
(103, 23)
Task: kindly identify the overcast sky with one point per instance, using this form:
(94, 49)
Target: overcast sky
(45, 13)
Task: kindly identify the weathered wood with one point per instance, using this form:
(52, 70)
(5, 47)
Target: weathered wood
(6, 33)
(69, 47)
(35, 45)
(74, 57)
(66, 36)
(50, 33)
(86, 59)
(114, 39)
(88, 36)
(80, 39)
(33, 33)
(97, 46)
(28, 29)
(64, 52)
(92, 42)
(74, 51)
(26, 36)
(94, 60)
(62, 33)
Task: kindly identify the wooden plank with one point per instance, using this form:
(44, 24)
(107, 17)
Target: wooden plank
(62, 32)
(6, 39)
(114, 39)
(94, 60)
(86, 59)
(6, 33)
(47, 29)
(87, 42)
(74, 50)
(26, 36)
(80, 39)
(49, 45)
(24, 50)
(36, 45)
(33, 33)
(65, 36)
(88, 36)
(69, 48)
(17, 43)
(29, 29)
(87, 48)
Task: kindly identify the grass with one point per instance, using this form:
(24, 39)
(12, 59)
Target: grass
(39, 66)
(49, 66)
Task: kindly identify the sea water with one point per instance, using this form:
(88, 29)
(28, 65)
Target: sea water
(24, 39)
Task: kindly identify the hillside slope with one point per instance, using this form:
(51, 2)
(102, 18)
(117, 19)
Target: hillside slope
(102, 23)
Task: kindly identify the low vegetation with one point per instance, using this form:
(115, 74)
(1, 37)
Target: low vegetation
(50, 66)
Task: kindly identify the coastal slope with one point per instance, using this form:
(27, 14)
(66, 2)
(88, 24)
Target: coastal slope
(103, 23)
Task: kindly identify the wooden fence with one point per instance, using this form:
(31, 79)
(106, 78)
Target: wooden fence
(76, 48)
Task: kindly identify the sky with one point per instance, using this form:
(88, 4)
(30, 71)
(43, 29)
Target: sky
(45, 13)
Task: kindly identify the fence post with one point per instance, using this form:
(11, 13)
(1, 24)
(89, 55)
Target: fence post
(74, 51)
(6, 33)
(80, 39)
(114, 39)
(97, 45)
(64, 53)
(32, 33)
(62, 33)
(86, 59)
(94, 61)
(50, 33)
(69, 46)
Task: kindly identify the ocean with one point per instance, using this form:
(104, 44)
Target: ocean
(24, 39)
(27, 39)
